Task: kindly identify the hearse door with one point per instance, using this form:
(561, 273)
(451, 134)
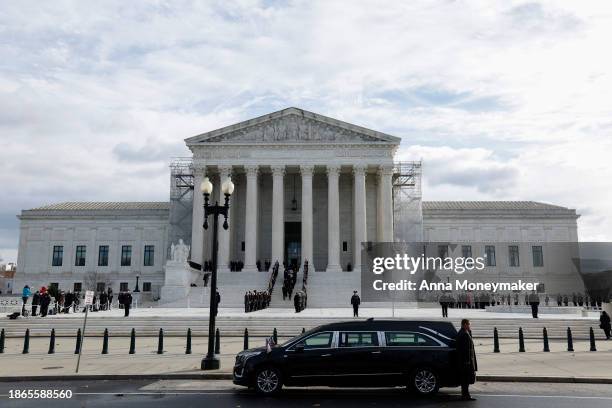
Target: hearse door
(359, 359)
(312, 360)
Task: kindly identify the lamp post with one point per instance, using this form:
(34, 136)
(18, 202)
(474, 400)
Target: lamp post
(137, 289)
(210, 362)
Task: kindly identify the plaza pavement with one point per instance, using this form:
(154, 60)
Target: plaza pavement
(557, 365)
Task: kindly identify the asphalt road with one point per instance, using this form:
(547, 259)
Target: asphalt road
(186, 394)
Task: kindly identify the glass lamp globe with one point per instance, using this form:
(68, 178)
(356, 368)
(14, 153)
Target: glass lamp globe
(227, 187)
(206, 187)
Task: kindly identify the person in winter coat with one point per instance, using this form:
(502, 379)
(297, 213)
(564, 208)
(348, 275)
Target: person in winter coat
(604, 323)
(467, 359)
(25, 294)
(355, 301)
(35, 302)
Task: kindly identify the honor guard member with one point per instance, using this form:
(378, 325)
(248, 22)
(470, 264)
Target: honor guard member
(355, 301)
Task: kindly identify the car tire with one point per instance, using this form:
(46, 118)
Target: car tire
(424, 381)
(268, 381)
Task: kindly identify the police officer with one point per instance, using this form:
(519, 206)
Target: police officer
(355, 301)
(534, 302)
(467, 359)
(127, 302)
(444, 304)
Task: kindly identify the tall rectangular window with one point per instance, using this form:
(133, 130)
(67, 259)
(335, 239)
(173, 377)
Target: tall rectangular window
(490, 255)
(443, 251)
(126, 255)
(466, 251)
(103, 255)
(58, 255)
(79, 259)
(123, 287)
(100, 286)
(77, 287)
(513, 255)
(538, 256)
(149, 255)
(146, 286)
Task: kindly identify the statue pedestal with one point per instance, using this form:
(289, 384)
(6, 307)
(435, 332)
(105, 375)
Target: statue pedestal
(177, 281)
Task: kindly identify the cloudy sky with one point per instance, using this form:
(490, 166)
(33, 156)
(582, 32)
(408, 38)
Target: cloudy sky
(503, 100)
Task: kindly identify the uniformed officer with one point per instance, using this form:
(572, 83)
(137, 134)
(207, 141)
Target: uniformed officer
(355, 301)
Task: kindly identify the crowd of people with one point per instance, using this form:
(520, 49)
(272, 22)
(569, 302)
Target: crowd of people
(479, 300)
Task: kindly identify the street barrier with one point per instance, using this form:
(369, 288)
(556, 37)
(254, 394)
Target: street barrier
(275, 336)
(495, 340)
(160, 342)
(105, 342)
(52, 342)
(26, 342)
(570, 340)
(132, 342)
(303, 330)
(545, 335)
(77, 346)
(2, 341)
(521, 341)
(245, 345)
(217, 342)
(592, 338)
(188, 347)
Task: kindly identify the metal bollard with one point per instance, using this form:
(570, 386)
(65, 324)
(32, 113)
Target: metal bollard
(495, 340)
(188, 348)
(217, 342)
(570, 340)
(545, 334)
(303, 330)
(592, 338)
(245, 346)
(2, 341)
(160, 342)
(26, 342)
(52, 342)
(77, 346)
(133, 342)
(105, 342)
(521, 341)
(275, 336)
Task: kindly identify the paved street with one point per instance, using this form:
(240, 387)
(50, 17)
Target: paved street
(151, 394)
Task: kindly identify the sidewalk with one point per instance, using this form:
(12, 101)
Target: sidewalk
(508, 364)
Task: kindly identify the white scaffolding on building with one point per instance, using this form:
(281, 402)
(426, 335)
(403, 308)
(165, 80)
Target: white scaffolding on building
(407, 202)
(181, 200)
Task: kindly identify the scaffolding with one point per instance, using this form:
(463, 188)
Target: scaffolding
(181, 201)
(407, 202)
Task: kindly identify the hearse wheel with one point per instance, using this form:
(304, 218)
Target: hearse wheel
(424, 381)
(268, 381)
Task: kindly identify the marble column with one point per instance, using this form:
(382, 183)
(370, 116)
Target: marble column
(225, 172)
(197, 231)
(278, 214)
(333, 219)
(307, 243)
(359, 211)
(251, 219)
(385, 204)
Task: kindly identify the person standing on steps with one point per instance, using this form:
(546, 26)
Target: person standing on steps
(355, 301)
(25, 294)
(604, 323)
(467, 359)
(127, 302)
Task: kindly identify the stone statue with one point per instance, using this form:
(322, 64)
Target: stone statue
(179, 252)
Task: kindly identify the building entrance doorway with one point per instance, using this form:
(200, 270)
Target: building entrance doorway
(293, 243)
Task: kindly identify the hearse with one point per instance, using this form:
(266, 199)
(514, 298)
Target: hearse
(371, 353)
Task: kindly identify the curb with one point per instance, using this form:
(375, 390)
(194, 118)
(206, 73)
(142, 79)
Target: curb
(228, 376)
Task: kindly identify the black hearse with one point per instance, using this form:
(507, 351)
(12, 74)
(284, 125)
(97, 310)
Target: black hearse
(371, 353)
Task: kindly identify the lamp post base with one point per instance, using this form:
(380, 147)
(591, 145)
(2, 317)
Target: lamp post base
(210, 363)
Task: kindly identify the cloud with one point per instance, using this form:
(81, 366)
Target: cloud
(502, 99)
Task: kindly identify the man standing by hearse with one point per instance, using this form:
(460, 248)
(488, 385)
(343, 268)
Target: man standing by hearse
(466, 355)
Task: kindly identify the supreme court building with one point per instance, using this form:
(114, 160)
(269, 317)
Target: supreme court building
(307, 187)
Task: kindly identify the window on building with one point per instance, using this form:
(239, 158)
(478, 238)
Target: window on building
(100, 287)
(344, 246)
(466, 251)
(77, 287)
(146, 286)
(242, 246)
(126, 255)
(149, 255)
(79, 259)
(443, 251)
(103, 255)
(54, 286)
(538, 256)
(123, 286)
(513, 255)
(490, 255)
(58, 255)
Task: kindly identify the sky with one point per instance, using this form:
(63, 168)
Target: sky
(502, 100)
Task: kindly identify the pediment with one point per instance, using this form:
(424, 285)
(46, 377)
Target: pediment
(292, 126)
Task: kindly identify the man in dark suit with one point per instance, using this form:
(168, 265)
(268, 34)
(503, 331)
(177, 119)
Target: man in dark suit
(467, 359)
(355, 301)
